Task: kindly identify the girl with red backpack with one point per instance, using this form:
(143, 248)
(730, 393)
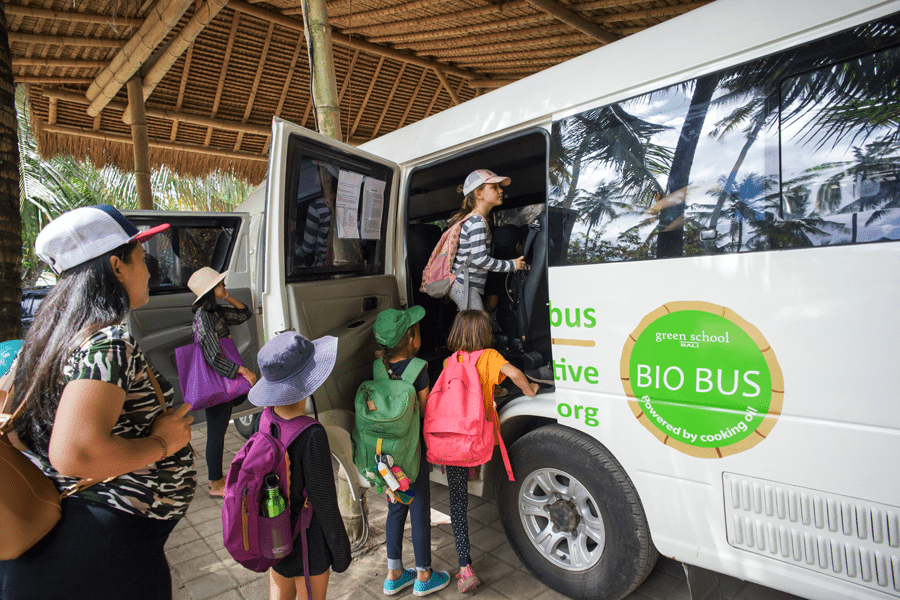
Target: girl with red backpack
(472, 333)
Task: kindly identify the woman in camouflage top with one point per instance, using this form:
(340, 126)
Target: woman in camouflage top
(91, 412)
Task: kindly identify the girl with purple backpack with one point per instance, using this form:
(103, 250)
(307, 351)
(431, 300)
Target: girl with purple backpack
(472, 332)
(293, 367)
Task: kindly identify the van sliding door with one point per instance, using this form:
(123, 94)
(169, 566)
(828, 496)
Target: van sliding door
(325, 249)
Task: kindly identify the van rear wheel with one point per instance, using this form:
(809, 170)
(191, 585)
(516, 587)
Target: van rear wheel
(573, 516)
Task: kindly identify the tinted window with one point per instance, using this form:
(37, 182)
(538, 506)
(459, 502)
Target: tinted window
(174, 255)
(336, 217)
(794, 150)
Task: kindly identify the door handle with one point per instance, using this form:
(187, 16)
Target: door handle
(370, 303)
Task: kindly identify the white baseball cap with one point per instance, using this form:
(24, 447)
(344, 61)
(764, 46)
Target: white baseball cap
(85, 233)
(481, 176)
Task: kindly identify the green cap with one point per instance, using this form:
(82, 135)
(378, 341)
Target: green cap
(391, 324)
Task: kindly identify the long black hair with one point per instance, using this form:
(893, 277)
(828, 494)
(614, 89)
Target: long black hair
(85, 299)
(207, 302)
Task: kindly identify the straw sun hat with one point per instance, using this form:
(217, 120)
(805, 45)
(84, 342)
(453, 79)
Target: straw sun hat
(204, 280)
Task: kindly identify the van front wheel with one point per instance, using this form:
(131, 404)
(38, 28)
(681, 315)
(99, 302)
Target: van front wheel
(573, 516)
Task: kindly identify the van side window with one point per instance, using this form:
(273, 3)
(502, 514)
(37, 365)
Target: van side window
(330, 227)
(840, 151)
(782, 152)
(174, 255)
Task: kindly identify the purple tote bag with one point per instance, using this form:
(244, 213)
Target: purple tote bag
(201, 386)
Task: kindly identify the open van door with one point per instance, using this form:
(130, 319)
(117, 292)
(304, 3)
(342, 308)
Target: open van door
(327, 261)
(193, 240)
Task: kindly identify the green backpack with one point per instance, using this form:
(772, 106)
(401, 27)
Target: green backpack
(387, 420)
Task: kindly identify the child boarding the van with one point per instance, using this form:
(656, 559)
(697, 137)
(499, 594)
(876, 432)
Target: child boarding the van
(293, 367)
(397, 334)
(462, 402)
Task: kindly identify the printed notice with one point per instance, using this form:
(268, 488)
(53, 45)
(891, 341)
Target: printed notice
(349, 186)
(373, 207)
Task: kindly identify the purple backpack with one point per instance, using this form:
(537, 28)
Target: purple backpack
(248, 535)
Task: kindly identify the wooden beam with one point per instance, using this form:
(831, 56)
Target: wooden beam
(286, 88)
(585, 26)
(58, 63)
(235, 19)
(201, 18)
(365, 101)
(52, 118)
(164, 16)
(567, 51)
(54, 40)
(153, 142)
(490, 83)
(259, 71)
(412, 99)
(390, 97)
(543, 36)
(54, 80)
(447, 87)
(343, 40)
(139, 143)
(74, 17)
(185, 71)
(159, 113)
(466, 31)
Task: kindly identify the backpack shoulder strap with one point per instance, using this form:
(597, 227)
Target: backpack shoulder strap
(379, 371)
(413, 369)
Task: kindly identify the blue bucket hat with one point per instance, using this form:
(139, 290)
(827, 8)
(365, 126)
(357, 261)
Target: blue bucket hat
(292, 367)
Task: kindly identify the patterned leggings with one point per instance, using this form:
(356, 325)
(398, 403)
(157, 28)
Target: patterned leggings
(458, 483)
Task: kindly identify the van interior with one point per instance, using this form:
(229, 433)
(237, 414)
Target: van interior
(519, 227)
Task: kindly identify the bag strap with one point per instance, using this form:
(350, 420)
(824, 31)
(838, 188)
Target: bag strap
(496, 420)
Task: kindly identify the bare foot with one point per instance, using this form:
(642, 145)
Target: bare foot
(217, 488)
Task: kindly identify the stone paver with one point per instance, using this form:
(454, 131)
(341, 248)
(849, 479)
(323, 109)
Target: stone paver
(203, 570)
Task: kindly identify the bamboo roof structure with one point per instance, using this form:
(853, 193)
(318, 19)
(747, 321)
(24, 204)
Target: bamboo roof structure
(215, 72)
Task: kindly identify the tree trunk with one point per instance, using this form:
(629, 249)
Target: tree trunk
(10, 218)
(671, 243)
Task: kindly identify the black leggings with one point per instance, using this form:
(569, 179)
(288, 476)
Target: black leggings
(217, 418)
(458, 484)
(97, 552)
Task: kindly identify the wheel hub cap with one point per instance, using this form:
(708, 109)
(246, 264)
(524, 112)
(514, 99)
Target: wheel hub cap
(564, 515)
(562, 519)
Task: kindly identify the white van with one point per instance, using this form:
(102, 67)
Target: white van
(711, 212)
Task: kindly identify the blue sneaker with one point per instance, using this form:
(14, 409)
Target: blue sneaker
(406, 580)
(438, 581)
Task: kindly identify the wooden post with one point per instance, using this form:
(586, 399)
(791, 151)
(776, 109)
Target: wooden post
(321, 64)
(140, 142)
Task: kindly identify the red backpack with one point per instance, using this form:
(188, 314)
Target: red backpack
(457, 430)
(438, 275)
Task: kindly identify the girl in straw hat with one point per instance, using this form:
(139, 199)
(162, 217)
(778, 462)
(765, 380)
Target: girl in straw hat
(211, 323)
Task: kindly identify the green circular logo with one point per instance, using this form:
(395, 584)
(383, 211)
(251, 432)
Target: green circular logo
(702, 379)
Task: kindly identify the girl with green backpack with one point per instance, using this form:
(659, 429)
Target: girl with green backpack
(397, 334)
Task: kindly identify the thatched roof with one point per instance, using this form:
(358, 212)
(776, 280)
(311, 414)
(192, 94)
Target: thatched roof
(214, 77)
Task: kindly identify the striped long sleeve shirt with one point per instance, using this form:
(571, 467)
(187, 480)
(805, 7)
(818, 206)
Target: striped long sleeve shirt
(474, 241)
(315, 233)
(214, 325)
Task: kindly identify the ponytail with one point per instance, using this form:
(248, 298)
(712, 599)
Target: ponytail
(468, 205)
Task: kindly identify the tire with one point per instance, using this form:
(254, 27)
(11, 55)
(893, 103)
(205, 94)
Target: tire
(247, 424)
(571, 493)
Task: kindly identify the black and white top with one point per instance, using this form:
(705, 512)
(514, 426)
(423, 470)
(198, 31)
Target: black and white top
(162, 490)
(214, 325)
(315, 234)
(475, 241)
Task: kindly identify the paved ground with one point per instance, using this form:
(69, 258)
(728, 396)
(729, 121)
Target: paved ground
(202, 569)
